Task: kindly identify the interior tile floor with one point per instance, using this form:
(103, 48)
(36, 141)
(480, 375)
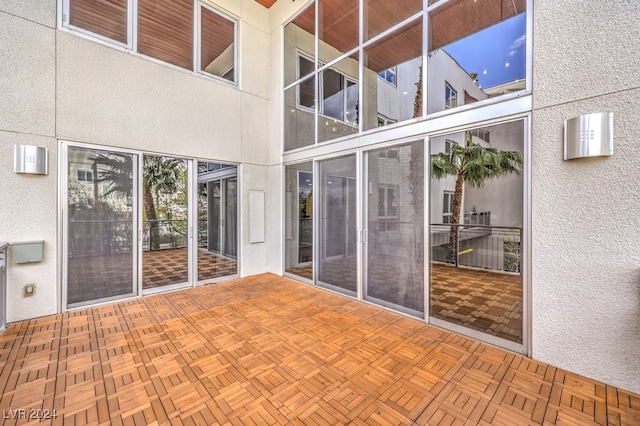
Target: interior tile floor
(269, 350)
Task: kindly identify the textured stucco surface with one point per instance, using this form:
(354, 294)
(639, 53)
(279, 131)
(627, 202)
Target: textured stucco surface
(584, 49)
(586, 247)
(28, 76)
(110, 97)
(28, 213)
(39, 11)
(586, 239)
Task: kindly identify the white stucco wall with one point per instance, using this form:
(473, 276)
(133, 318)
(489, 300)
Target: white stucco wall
(586, 238)
(27, 210)
(57, 85)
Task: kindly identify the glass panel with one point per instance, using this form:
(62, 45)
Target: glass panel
(338, 32)
(299, 39)
(165, 256)
(102, 249)
(215, 216)
(339, 108)
(217, 54)
(478, 48)
(299, 220)
(217, 220)
(108, 19)
(338, 227)
(299, 112)
(395, 223)
(380, 15)
(476, 275)
(165, 31)
(231, 227)
(392, 74)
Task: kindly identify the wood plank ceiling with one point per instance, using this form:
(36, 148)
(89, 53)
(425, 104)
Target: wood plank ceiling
(453, 21)
(266, 3)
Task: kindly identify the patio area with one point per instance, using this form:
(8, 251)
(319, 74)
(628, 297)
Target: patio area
(486, 301)
(269, 350)
(169, 266)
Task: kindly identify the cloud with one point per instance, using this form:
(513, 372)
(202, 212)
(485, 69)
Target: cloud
(517, 44)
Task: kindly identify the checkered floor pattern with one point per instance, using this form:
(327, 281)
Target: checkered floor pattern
(486, 301)
(169, 266)
(266, 350)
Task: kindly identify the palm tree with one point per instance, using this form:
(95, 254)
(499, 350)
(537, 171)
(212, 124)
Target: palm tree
(159, 174)
(472, 164)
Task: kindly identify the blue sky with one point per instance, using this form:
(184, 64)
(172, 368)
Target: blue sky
(497, 53)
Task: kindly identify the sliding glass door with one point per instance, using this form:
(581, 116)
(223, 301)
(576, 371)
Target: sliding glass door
(165, 204)
(394, 271)
(217, 220)
(476, 233)
(299, 220)
(338, 232)
(101, 245)
(135, 223)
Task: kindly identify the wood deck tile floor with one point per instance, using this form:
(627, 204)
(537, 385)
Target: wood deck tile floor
(268, 350)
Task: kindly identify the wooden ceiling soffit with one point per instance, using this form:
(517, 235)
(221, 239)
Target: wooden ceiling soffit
(459, 19)
(396, 49)
(449, 23)
(266, 3)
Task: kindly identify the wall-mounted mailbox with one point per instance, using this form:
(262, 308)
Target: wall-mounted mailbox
(27, 251)
(589, 135)
(30, 159)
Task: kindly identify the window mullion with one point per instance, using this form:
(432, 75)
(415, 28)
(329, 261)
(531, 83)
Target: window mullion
(132, 25)
(197, 36)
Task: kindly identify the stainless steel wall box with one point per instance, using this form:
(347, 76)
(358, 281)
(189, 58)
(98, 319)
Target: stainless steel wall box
(589, 135)
(30, 159)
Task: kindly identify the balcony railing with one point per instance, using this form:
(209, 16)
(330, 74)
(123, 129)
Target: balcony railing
(495, 248)
(167, 234)
(107, 237)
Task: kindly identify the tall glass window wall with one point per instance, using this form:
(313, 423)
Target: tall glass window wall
(411, 62)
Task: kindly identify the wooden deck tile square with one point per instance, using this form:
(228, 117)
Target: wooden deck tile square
(268, 350)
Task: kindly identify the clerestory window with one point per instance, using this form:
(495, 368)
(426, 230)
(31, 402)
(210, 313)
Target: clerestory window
(163, 30)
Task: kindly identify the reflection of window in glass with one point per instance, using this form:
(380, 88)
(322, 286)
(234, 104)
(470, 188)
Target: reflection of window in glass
(385, 121)
(448, 145)
(388, 207)
(306, 94)
(478, 47)
(305, 65)
(217, 49)
(85, 176)
(447, 206)
(339, 97)
(482, 134)
(450, 96)
(393, 153)
(394, 61)
(389, 75)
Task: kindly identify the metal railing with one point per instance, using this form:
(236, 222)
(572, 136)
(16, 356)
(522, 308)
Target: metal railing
(106, 237)
(168, 234)
(496, 248)
(100, 237)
